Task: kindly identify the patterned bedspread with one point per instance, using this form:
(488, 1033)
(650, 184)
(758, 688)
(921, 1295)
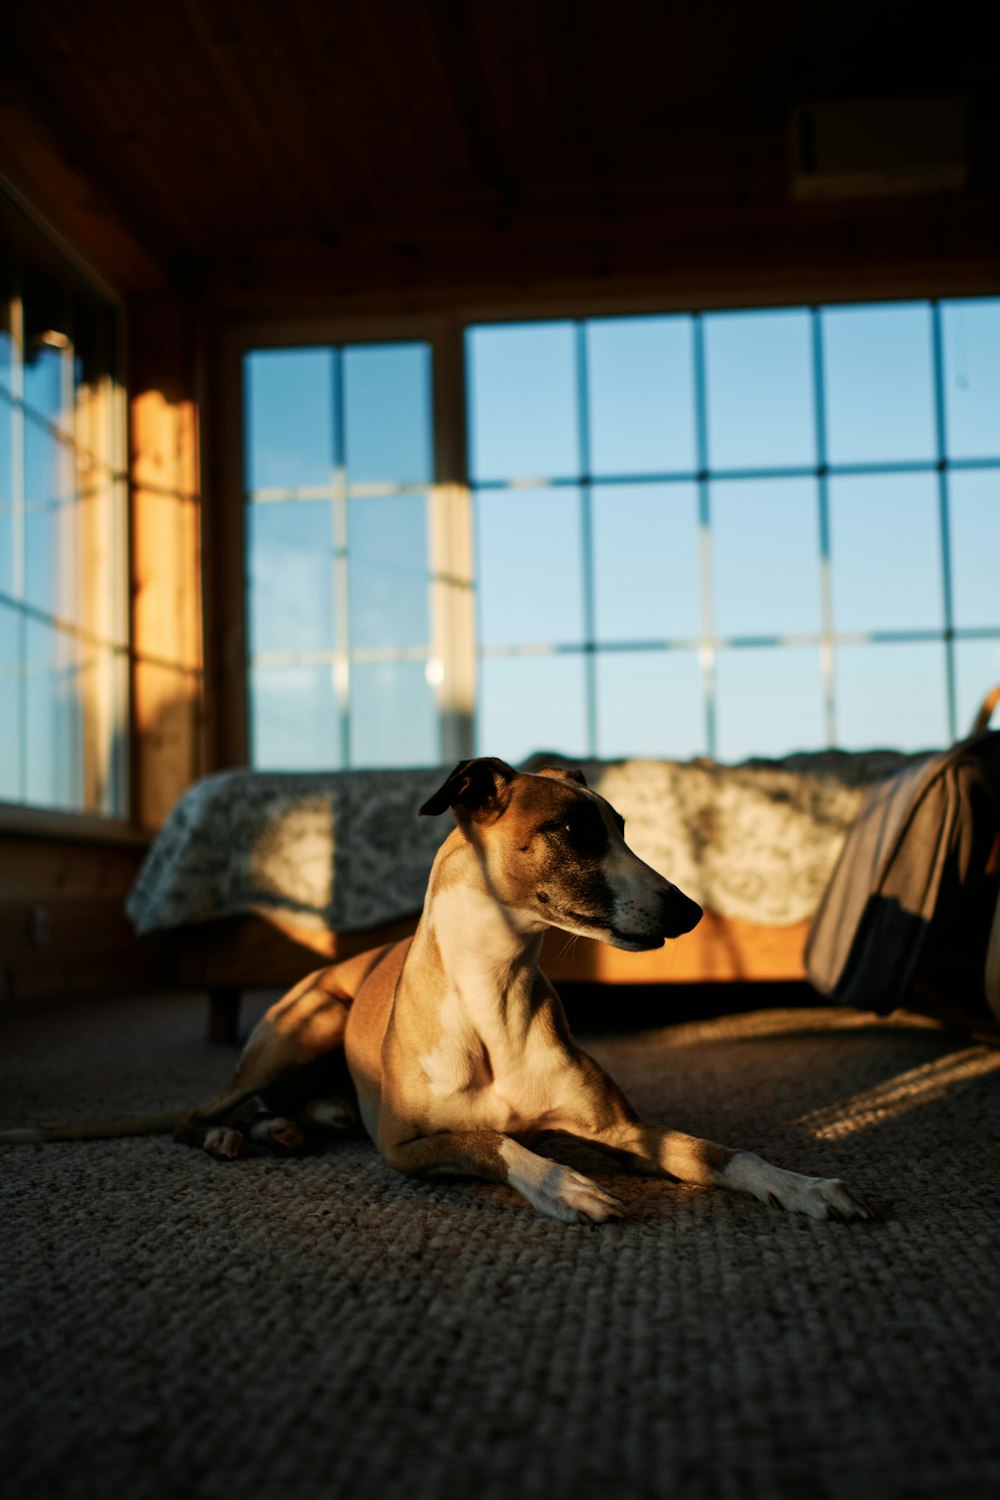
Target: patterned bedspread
(346, 850)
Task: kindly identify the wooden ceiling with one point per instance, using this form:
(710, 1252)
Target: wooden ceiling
(311, 151)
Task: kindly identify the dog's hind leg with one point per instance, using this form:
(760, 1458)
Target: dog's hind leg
(293, 1059)
(254, 1121)
(223, 1141)
(332, 1112)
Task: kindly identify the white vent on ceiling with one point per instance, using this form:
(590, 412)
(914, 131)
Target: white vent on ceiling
(878, 148)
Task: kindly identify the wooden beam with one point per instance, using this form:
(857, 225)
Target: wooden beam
(164, 469)
(46, 177)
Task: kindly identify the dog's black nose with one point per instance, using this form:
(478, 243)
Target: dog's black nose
(680, 913)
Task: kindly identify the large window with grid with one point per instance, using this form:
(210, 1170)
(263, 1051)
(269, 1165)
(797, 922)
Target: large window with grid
(734, 534)
(739, 533)
(63, 541)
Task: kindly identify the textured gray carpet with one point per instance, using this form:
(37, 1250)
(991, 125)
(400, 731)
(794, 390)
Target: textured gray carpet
(173, 1326)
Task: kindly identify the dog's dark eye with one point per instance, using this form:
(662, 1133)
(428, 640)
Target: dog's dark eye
(583, 830)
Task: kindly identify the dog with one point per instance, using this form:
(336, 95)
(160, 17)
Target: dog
(454, 1047)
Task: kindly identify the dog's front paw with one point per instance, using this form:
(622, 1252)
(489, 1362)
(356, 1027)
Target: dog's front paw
(556, 1190)
(575, 1199)
(819, 1197)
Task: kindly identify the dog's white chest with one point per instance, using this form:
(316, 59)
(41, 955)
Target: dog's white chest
(484, 1082)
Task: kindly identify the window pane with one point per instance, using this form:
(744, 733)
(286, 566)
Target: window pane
(975, 547)
(393, 715)
(294, 722)
(387, 414)
(6, 493)
(886, 552)
(530, 567)
(977, 669)
(765, 557)
(646, 562)
(769, 702)
(529, 703)
(971, 337)
(54, 718)
(891, 696)
(50, 529)
(760, 390)
(523, 402)
(879, 388)
(289, 418)
(650, 703)
(290, 575)
(639, 377)
(387, 542)
(11, 789)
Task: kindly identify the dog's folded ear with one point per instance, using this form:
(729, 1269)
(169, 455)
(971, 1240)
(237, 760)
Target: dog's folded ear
(478, 788)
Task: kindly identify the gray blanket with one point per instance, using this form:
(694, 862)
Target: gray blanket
(343, 851)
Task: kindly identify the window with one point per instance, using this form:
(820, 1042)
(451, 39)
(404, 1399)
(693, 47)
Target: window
(63, 602)
(739, 533)
(338, 467)
(727, 533)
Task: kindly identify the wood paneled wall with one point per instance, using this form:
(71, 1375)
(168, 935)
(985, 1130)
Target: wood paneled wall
(62, 917)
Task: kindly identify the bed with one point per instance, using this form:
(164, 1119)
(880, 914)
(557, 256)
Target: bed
(256, 877)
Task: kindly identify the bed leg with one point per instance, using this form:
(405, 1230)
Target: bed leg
(224, 1013)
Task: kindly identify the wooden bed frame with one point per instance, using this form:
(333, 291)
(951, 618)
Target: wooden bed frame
(238, 953)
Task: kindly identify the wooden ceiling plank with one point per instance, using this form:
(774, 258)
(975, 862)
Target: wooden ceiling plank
(382, 102)
(183, 121)
(413, 121)
(455, 31)
(221, 49)
(453, 159)
(330, 37)
(295, 87)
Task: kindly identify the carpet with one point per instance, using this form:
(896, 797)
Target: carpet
(177, 1327)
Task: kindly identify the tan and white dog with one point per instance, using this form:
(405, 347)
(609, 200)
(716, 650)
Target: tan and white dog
(453, 1045)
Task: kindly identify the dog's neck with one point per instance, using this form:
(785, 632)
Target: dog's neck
(488, 951)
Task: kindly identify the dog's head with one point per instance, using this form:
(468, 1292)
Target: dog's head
(554, 852)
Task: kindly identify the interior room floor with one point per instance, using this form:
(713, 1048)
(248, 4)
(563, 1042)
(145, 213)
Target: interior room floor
(174, 1326)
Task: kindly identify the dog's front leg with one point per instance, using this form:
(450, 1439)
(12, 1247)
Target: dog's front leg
(552, 1189)
(655, 1150)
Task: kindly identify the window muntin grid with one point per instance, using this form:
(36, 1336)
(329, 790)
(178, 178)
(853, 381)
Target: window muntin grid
(839, 653)
(64, 651)
(338, 461)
